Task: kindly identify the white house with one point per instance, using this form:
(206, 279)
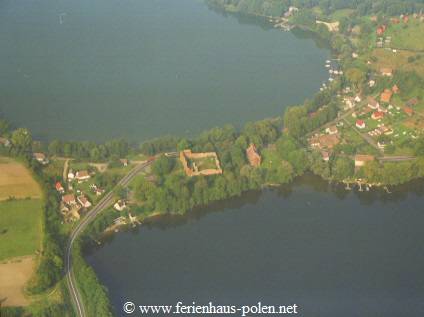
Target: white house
(71, 175)
(360, 159)
(83, 201)
(373, 104)
(120, 205)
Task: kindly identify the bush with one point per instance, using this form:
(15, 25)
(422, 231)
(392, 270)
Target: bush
(411, 59)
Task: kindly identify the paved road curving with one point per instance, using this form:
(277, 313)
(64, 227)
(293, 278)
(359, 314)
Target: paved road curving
(80, 227)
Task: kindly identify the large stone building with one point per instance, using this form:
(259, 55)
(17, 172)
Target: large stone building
(252, 156)
(193, 169)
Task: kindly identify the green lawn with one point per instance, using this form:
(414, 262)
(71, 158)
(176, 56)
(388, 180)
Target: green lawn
(20, 228)
(270, 159)
(338, 14)
(411, 38)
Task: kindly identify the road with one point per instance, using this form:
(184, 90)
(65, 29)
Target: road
(80, 227)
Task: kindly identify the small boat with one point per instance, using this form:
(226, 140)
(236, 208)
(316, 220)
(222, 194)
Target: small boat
(327, 65)
(328, 61)
(330, 71)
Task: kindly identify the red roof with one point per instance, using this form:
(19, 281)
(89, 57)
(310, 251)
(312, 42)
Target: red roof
(395, 20)
(405, 19)
(383, 26)
(379, 31)
(378, 114)
(359, 122)
(59, 186)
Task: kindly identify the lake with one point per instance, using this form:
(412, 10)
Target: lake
(138, 69)
(330, 251)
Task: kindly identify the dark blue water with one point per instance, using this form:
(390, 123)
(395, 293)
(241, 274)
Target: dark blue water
(137, 69)
(330, 251)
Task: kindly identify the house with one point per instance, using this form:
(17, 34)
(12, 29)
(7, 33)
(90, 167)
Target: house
(408, 111)
(359, 97)
(83, 201)
(372, 83)
(5, 142)
(373, 104)
(82, 175)
(293, 8)
(377, 115)
(252, 156)
(325, 156)
(59, 187)
(360, 159)
(350, 102)
(386, 71)
(360, 124)
(71, 175)
(405, 19)
(332, 130)
(395, 89)
(386, 95)
(120, 205)
(412, 102)
(328, 141)
(382, 129)
(69, 199)
(379, 31)
(124, 161)
(63, 208)
(40, 157)
(314, 142)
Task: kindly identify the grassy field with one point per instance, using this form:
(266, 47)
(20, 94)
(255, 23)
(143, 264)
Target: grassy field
(16, 181)
(270, 159)
(398, 60)
(338, 14)
(20, 229)
(411, 37)
(13, 276)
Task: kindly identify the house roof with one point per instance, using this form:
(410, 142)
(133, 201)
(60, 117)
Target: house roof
(378, 114)
(332, 129)
(82, 173)
(359, 122)
(395, 88)
(385, 70)
(59, 186)
(407, 110)
(386, 95)
(253, 156)
(372, 102)
(68, 198)
(412, 101)
(363, 157)
(82, 199)
(39, 156)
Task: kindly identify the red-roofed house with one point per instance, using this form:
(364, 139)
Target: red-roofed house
(405, 19)
(69, 199)
(408, 111)
(377, 115)
(395, 89)
(396, 20)
(379, 31)
(386, 95)
(253, 157)
(59, 187)
(360, 124)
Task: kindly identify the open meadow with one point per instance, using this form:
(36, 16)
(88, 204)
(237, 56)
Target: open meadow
(20, 227)
(16, 181)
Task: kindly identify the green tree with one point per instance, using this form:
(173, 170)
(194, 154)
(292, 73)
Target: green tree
(355, 76)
